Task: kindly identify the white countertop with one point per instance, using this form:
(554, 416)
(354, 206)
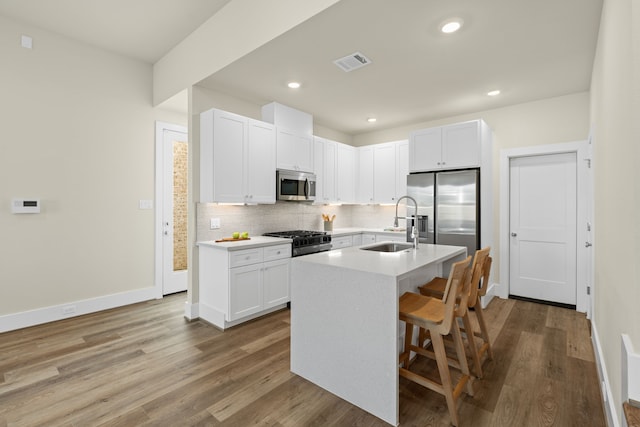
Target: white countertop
(259, 241)
(253, 242)
(395, 264)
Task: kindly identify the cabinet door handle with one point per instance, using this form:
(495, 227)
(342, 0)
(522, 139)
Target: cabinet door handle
(513, 234)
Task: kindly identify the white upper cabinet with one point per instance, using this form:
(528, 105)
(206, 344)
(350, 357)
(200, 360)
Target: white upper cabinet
(446, 147)
(346, 174)
(237, 159)
(365, 175)
(384, 178)
(402, 168)
(261, 161)
(295, 150)
(329, 171)
(318, 167)
(382, 172)
(325, 162)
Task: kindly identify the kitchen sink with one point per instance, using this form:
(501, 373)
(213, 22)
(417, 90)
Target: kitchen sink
(388, 247)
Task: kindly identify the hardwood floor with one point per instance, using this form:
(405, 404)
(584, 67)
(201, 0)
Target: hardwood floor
(144, 365)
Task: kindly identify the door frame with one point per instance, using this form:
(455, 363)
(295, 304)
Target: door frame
(159, 201)
(584, 187)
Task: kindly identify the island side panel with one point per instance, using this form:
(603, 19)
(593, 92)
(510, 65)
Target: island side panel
(344, 330)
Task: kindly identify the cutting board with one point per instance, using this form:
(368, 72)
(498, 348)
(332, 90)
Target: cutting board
(231, 239)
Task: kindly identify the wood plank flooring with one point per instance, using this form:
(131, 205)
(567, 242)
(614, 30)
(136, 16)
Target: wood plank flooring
(144, 365)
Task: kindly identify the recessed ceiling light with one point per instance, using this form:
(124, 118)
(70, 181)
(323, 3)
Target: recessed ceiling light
(451, 26)
(493, 93)
(293, 85)
(372, 119)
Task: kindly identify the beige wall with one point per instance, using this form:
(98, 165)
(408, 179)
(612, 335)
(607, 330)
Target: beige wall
(78, 134)
(614, 116)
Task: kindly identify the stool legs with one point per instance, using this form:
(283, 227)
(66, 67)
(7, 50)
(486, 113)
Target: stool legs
(475, 355)
(450, 391)
(484, 332)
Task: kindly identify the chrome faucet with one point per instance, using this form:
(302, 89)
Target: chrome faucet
(414, 230)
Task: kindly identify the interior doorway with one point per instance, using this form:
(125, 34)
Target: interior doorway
(581, 241)
(171, 208)
(542, 230)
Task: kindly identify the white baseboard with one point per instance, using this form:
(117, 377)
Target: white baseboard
(605, 386)
(630, 371)
(491, 292)
(24, 319)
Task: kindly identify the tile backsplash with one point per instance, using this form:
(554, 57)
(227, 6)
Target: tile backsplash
(281, 216)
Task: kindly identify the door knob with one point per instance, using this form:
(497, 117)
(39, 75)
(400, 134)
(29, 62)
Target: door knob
(588, 244)
(513, 234)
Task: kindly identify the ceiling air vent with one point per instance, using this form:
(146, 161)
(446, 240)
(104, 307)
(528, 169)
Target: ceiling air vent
(352, 62)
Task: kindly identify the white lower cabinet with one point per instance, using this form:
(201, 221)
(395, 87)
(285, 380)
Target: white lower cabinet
(238, 285)
(364, 238)
(389, 237)
(245, 291)
(341, 242)
(275, 283)
(368, 238)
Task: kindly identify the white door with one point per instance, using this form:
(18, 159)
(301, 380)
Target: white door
(543, 203)
(174, 211)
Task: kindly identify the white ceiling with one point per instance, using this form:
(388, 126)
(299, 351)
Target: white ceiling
(528, 49)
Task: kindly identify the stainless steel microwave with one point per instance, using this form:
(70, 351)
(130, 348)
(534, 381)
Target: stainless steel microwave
(296, 186)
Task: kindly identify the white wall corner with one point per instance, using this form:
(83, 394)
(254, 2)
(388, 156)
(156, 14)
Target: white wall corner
(492, 291)
(191, 311)
(610, 410)
(630, 370)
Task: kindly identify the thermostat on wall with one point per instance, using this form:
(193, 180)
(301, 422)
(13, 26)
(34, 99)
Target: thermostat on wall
(20, 206)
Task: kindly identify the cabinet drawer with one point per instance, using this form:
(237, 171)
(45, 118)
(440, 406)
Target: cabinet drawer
(245, 257)
(272, 253)
(341, 242)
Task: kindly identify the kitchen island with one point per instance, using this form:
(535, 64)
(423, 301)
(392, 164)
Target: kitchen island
(345, 332)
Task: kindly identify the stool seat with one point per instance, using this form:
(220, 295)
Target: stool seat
(417, 308)
(435, 288)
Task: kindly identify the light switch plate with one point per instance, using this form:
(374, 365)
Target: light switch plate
(146, 204)
(26, 42)
(215, 223)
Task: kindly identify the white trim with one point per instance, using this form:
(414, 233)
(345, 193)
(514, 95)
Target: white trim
(630, 371)
(605, 386)
(10, 322)
(160, 128)
(581, 150)
(191, 311)
(217, 318)
(491, 292)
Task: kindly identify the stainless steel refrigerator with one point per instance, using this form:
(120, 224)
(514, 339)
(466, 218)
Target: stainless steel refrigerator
(451, 202)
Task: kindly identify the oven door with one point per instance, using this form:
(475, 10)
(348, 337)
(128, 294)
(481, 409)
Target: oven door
(296, 186)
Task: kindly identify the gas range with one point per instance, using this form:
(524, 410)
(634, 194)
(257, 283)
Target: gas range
(305, 242)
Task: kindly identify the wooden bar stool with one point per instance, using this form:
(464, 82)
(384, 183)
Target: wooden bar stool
(479, 281)
(437, 316)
